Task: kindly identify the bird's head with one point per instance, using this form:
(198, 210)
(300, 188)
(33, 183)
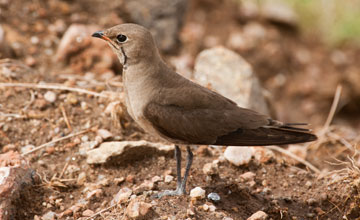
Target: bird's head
(132, 43)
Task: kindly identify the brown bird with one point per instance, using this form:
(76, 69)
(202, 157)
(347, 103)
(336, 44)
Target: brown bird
(166, 104)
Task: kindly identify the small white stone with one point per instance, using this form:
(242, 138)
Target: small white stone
(105, 134)
(48, 216)
(212, 208)
(50, 96)
(168, 178)
(122, 196)
(259, 215)
(197, 192)
(239, 155)
(205, 207)
(27, 148)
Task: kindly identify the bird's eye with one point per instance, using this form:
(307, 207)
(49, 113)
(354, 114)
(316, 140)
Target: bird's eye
(121, 38)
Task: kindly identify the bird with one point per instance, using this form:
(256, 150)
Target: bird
(172, 107)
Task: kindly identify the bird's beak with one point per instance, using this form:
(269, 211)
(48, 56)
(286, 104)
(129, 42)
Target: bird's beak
(100, 34)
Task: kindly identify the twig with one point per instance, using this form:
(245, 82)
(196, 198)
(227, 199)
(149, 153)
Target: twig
(101, 211)
(329, 119)
(65, 118)
(342, 140)
(288, 153)
(54, 141)
(332, 109)
(63, 170)
(32, 99)
(52, 86)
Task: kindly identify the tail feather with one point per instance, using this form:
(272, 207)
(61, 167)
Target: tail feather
(266, 136)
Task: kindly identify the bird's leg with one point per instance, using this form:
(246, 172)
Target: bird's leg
(178, 167)
(181, 182)
(189, 160)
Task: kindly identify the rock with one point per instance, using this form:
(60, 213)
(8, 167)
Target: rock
(262, 154)
(279, 12)
(49, 216)
(50, 96)
(12, 159)
(210, 168)
(168, 179)
(247, 176)
(122, 196)
(88, 213)
(214, 197)
(229, 74)
(239, 155)
(15, 181)
(9, 147)
(104, 134)
(125, 151)
(27, 148)
(145, 186)
(137, 209)
(259, 215)
(81, 179)
(197, 193)
(164, 18)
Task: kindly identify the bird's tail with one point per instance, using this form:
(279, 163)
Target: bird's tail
(269, 135)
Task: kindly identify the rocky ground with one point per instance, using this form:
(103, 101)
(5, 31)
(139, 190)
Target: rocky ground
(69, 150)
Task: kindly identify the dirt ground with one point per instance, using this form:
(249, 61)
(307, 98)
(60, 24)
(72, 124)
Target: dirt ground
(299, 72)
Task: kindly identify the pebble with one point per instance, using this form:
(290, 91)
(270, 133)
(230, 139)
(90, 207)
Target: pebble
(71, 99)
(311, 201)
(81, 179)
(105, 134)
(259, 215)
(50, 96)
(247, 176)
(122, 196)
(27, 148)
(197, 192)
(49, 216)
(88, 213)
(210, 169)
(119, 180)
(168, 178)
(8, 147)
(156, 179)
(212, 208)
(239, 155)
(137, 209)
(205, 207)
(308, 184)
(214, 197)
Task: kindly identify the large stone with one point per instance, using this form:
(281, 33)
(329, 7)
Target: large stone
(16, 179)
(229, 74)
(164, 18)
(124, 151)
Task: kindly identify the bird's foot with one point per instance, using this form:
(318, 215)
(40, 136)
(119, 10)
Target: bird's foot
(178, 192)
